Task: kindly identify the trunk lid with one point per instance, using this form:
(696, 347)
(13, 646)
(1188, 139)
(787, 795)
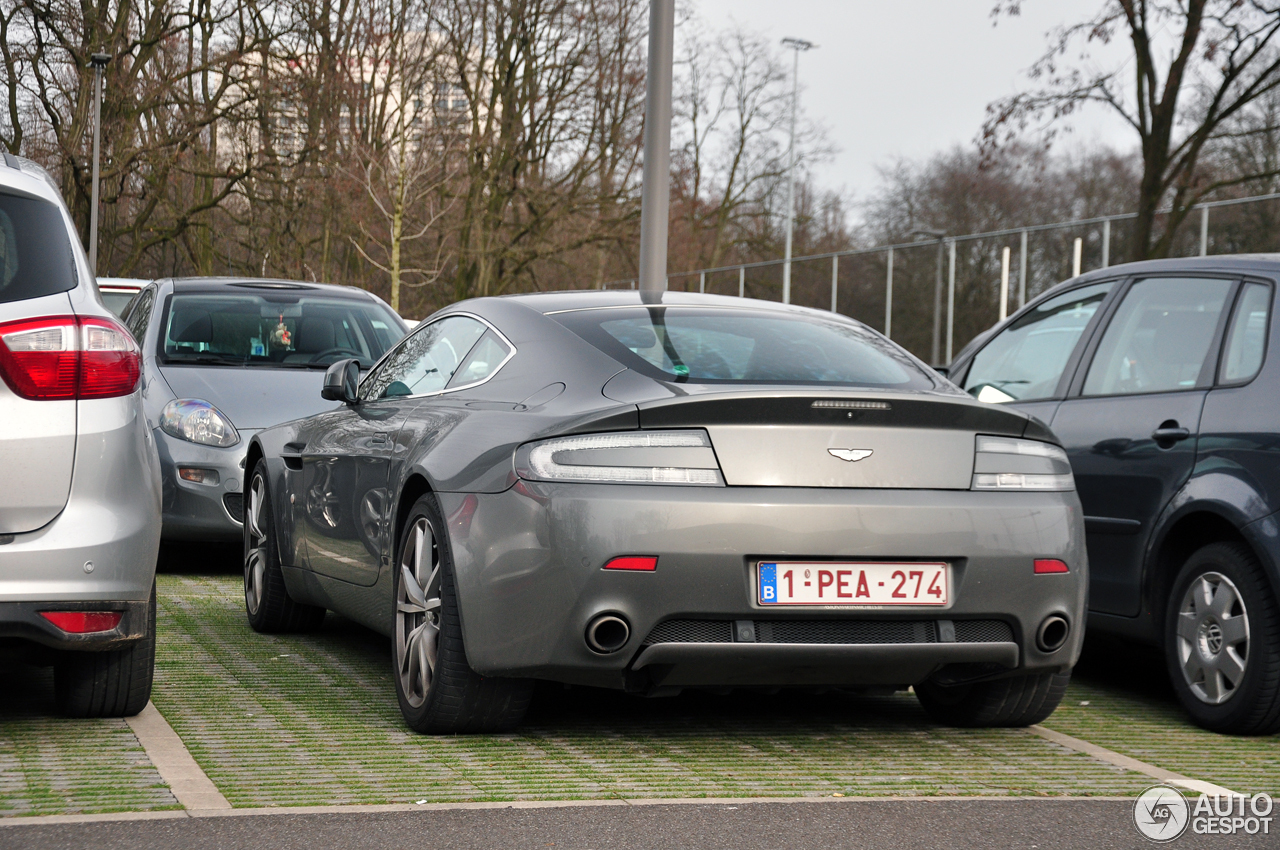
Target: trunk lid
(839, 439)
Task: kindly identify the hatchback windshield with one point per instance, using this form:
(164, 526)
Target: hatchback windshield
(280, 329)
(738, 345)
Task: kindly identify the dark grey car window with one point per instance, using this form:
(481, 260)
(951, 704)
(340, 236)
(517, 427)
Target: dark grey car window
(35, 253)
(426, 361)
(1247, 339)
(484, 359)
(1158, 339)
(737, 345)
(1025, 360)
(140, 314)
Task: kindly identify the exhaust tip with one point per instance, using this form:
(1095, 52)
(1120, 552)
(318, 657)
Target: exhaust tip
(1052, 633)
(607, 633)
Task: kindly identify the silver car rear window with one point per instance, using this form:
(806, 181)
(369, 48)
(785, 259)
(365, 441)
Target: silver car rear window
(35, 254)
(746, 346)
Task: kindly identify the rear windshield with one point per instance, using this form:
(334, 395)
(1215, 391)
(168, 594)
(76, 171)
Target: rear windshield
(35, 254)
(745, 346)
(279, 329)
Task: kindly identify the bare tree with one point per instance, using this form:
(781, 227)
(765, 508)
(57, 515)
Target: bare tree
(1196, 65)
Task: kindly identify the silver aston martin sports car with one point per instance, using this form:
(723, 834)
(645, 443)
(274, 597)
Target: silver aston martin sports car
(700, 492)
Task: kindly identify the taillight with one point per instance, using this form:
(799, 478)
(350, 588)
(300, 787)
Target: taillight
(65, 357)
(84, 622)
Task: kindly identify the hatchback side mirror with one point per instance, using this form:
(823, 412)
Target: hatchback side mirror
(342, 382)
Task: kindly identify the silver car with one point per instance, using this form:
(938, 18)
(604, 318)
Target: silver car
(701, 492)
(224, 357)
(77, 561)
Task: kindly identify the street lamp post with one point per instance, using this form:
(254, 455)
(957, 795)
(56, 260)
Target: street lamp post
(798, 45)
(937, 290)
(655, 186)
(98, 61)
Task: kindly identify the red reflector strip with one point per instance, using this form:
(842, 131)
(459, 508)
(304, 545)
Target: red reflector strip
(83, 622)
(631, 562)
(1050, 565)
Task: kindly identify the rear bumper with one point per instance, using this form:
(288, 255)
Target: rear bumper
(22, 620)
(530, 579)
(206, 512)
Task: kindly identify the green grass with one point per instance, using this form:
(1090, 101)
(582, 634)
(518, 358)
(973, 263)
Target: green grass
(312, 719)
(51, 765)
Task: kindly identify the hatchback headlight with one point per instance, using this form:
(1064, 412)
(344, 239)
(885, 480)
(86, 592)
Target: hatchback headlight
(1007, 463)
(198, 421)
(631, 457)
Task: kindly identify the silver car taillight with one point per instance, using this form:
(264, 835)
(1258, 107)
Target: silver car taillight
(630, 457)
(68, 357)
(1008, 463)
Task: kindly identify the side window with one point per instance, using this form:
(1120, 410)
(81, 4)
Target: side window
(1247, 338)
(485, 358)
(1026, 359)
(426, 360)
(140, 314)
(1158, 339)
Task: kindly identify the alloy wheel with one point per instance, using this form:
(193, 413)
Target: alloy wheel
(255, 560)
(1213, 638)
(417, 637)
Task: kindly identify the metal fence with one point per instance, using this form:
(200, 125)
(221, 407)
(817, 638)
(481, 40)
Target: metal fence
(934, 296)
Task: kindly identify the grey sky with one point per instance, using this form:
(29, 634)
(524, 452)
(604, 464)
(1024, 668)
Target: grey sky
(911, 77)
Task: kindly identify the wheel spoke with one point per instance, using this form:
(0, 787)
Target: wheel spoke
(424, 657)
(431, 638)
(1201, 595)
(419, 533)
(255, 509)
(1234, 630)
(1213, 685)
(1223, 600)
(1192, 668)
(1230, 666)
(1187, 627)
(411, 589)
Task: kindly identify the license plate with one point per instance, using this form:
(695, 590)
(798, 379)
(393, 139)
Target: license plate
(859, 583)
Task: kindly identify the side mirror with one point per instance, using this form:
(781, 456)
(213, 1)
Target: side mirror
(342, 382)
(944, 371)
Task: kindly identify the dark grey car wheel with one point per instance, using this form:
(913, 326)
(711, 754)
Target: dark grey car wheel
(1016, 701)
(1222, 641)
(437, 689)
(266, 599)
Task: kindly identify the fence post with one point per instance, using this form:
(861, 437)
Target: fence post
(1106, 243)
(951, 298)
(1022, 272)
(702, 282)
(888, 298)
(1204, 231)
(742, 281)
(835, 276)
(1004, 283)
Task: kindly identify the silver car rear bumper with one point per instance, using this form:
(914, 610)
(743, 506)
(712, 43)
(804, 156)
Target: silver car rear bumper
(530, 579)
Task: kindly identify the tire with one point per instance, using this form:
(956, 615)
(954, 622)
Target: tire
(116, 683)
(1017, 701)
(266, 599)
(1222, 641)
(438, 691)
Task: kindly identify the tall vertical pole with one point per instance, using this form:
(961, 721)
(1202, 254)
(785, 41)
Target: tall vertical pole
(951, 299)
(797, 45)
(1004, 283)
(1076, 253)
(702, 282)
(1204, 231)
(937, 308)
(1022, 272)
(655, 193)
(742, 281)
(98, 61)
(1106, 243)
(835, 279)
(888, 297)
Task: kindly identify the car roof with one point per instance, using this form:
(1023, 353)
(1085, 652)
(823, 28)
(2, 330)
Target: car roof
(127, 284)
(23, 175)
(225, 284)
(587, 299)
(1268, 264)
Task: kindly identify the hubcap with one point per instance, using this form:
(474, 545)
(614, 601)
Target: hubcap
(417, 637)
(1213, 638)
(255, 558)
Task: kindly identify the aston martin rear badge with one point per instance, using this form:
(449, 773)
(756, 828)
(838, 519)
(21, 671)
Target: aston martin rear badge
(850, 454)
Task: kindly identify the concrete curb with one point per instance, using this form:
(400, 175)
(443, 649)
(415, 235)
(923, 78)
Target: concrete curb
(189, 784)
(1128, 763)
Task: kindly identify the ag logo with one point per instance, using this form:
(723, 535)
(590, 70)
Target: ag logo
(1161, 813)
(850, 454)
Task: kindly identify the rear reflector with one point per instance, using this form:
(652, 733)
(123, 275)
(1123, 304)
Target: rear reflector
(632, 562)
(68, 357)
(1050, 565)
(83, 622)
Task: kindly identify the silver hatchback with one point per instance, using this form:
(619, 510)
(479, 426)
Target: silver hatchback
(79, 475)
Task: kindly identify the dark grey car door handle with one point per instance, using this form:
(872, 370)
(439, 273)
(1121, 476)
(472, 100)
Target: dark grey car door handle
(1169, 435)
(378, 438)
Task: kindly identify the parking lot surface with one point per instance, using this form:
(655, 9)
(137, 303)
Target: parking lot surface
(306, 720)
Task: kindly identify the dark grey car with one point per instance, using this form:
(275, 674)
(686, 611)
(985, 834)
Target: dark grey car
(707, 492)
(223, 357)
